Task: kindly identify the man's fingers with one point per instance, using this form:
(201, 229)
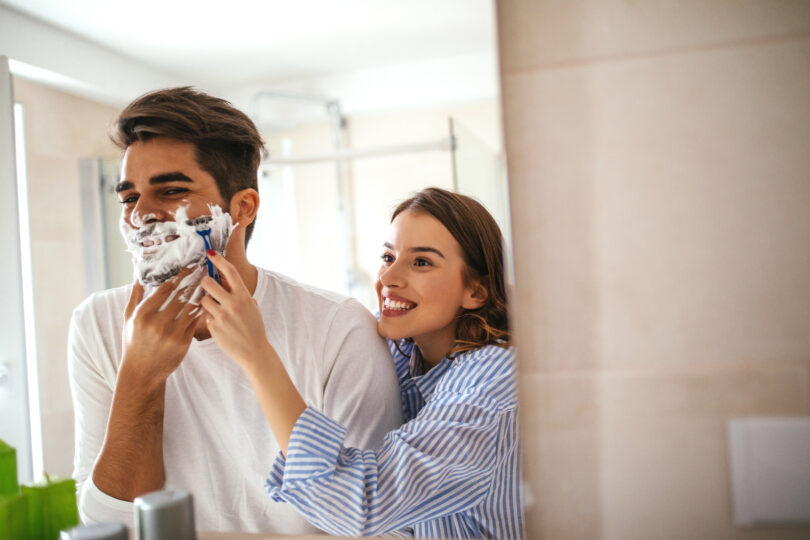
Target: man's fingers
(134, 299)
(158, 298)
(189, 315)
(179, 302)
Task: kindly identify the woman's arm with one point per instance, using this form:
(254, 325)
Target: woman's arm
(235, 323)
(439, 464)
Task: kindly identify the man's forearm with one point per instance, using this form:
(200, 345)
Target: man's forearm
(131, 459)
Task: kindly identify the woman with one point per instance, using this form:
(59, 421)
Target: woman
(452, 470)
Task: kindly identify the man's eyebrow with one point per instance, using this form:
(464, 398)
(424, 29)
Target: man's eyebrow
(155, 180)
(169, 177)
(419, 249)
(122, 186)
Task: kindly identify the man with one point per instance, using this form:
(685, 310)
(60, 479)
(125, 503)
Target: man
(158, 405)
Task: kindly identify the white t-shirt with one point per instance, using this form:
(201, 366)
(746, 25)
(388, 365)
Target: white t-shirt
(216, 442)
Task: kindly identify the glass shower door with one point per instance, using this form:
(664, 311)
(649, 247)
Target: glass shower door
(479, 172)
(107, 262)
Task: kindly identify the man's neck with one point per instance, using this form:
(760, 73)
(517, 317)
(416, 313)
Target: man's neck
(249, 275)
(237, 256)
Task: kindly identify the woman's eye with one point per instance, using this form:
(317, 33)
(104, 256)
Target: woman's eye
(422, 262)
(387, 258)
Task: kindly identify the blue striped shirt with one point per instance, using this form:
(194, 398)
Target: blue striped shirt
(451, 471)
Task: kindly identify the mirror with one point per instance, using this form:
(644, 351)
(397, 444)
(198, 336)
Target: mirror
(346, 140)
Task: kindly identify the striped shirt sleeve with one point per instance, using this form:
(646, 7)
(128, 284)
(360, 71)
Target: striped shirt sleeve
(438, 464)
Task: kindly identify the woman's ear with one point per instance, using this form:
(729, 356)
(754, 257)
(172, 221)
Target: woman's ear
(243, 207)
(475, 296)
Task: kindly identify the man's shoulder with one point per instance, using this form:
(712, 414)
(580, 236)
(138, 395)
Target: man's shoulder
(106, 302)
(284, 289)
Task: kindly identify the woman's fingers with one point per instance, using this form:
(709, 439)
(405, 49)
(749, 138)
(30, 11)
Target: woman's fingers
(229, 271)
(211, 306)
(213, 289)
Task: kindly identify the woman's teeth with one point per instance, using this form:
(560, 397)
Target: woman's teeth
(396, 305)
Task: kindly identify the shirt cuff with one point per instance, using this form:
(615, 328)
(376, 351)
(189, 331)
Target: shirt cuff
(312, 455)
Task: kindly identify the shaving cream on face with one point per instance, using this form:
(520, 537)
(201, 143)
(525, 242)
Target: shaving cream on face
(160, 250)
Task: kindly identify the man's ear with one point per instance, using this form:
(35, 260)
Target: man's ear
(243, 207)
(475, 296)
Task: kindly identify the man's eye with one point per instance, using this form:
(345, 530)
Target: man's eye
(129, 200)
(175, 191)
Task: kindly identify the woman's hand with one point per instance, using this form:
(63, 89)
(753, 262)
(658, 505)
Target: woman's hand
(235, 322)
(234, 319)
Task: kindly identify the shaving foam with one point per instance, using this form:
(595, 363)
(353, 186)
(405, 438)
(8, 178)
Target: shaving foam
(160, 250)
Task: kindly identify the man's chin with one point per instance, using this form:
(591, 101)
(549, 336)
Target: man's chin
(153, 272)
(156, 280)
(188, 288)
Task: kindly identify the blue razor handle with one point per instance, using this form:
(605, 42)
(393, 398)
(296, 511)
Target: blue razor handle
(206, 234)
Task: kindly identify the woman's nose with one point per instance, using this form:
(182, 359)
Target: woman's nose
(391, 276)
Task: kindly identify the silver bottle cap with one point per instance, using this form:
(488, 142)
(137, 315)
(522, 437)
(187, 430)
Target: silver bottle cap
(165, 515)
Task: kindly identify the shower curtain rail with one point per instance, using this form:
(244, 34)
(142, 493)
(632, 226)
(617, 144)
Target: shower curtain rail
(447, 143)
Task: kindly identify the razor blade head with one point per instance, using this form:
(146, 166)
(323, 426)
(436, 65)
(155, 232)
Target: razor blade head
(200, 222)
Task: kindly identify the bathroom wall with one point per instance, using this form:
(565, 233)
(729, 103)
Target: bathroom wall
(59, 130)
(660, 190)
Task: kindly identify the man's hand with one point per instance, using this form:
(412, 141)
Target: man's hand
(156, 340)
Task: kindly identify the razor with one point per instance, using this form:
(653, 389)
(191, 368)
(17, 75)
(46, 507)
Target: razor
(202, 227)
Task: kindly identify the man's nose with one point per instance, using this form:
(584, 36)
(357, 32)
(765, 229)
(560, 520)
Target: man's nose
(146, 212)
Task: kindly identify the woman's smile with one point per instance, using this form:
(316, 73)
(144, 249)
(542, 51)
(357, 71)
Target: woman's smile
(396, 306)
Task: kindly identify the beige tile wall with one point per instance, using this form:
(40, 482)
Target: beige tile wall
(59, 130)
(660, 189)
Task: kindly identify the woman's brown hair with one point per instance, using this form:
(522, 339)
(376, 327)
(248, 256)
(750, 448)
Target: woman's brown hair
(482, 246)
(226, 142)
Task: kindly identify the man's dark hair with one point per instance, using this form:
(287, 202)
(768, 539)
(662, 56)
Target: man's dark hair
(226, 142)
